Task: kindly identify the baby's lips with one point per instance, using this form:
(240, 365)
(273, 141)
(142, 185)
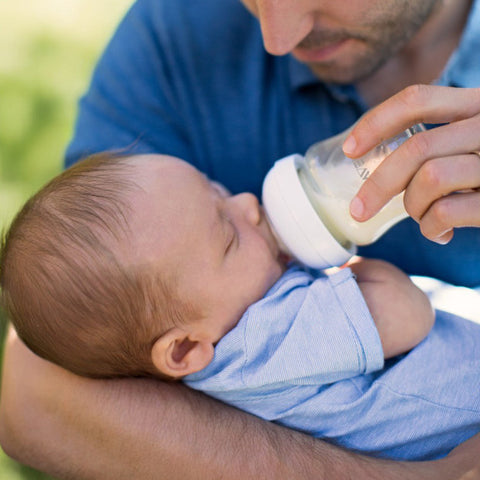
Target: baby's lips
(284, 258)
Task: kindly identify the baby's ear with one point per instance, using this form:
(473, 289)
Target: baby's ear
(176, 355)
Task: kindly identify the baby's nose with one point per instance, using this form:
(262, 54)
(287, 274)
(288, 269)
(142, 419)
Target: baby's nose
(248, 203)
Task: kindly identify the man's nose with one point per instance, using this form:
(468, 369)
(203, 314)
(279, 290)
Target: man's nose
(248, 205)
(284, 23)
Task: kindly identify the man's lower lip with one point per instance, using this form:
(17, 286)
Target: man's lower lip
(318, 54)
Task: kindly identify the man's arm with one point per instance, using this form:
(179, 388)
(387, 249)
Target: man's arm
(79, 428)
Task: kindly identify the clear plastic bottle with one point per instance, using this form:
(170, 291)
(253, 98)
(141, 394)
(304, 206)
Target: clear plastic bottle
(307, 201)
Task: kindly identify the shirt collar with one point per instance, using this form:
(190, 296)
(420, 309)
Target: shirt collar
(462, 69)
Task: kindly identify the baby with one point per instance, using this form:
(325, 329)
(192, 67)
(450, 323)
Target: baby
(140, 266)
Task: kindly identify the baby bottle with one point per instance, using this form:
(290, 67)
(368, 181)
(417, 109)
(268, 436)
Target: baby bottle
(307, 201)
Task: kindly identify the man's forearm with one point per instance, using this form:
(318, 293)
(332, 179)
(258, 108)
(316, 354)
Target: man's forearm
(87, 429)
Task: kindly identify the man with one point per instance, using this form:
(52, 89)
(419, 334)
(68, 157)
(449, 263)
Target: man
(190, 78)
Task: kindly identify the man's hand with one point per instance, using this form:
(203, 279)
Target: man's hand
(439, 169)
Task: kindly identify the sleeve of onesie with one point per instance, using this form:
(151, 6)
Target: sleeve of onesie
(303, 333)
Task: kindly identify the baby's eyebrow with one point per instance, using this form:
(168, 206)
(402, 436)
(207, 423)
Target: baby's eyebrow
(219, 189)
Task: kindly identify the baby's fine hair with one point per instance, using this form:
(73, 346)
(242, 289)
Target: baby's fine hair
(68, 290)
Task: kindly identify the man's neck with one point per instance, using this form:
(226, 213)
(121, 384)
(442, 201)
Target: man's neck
(423, 58)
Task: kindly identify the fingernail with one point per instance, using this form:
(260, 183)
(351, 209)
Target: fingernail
(440, 241)
(444, 238)
(357, 208)
(349, 145)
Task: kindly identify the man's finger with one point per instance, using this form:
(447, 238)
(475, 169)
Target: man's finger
(439, 177)
(396, 172)
(414, 104)
(456, 210)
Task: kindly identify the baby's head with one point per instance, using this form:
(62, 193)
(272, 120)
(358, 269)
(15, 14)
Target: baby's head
(134, 266)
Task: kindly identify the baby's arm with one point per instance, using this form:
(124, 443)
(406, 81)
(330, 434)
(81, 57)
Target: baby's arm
(401, 311)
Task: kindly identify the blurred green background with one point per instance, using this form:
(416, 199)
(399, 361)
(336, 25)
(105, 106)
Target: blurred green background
(47, 51)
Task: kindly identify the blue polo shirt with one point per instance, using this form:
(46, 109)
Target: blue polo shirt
(190, 78)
